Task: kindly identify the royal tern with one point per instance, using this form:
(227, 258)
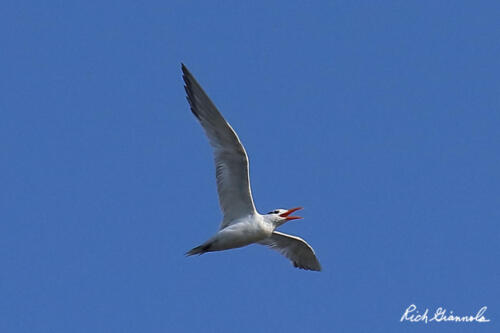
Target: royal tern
(242, 224)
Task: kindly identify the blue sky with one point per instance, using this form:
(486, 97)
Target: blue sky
(380, 118)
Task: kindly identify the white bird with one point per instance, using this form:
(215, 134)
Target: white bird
(242, 224)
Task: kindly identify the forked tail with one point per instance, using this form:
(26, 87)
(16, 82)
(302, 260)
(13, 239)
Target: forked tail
(199, 250)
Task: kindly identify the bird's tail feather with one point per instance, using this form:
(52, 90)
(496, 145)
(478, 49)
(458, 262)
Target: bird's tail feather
(199, 250)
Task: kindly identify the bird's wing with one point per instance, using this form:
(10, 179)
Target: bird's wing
(294, 248)
(231, 161)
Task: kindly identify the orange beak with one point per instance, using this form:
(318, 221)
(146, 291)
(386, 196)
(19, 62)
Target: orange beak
(290, 211)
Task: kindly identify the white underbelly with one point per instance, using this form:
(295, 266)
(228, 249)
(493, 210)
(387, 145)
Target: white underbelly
(238, 235)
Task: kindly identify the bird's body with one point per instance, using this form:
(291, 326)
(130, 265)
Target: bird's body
(242, 232)
(242, 224)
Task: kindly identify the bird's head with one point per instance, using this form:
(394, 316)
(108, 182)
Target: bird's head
(281, 216)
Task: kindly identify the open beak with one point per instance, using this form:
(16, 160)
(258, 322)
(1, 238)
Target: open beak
(290, 211)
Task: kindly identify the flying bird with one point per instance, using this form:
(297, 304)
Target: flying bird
(242, 224)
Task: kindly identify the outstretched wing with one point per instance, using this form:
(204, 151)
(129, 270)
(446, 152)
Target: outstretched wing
(231, 161)
(294, 248)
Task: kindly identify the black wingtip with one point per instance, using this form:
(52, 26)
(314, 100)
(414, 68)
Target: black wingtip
(189, 94)
(307, 268)
(186, 75)
(184, 69)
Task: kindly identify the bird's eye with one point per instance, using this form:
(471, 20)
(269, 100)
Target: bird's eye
(273, 212)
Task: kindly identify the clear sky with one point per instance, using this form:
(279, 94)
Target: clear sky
(381, 118)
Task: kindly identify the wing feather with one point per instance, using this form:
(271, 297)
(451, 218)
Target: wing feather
(231, 160)
(294, 248)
